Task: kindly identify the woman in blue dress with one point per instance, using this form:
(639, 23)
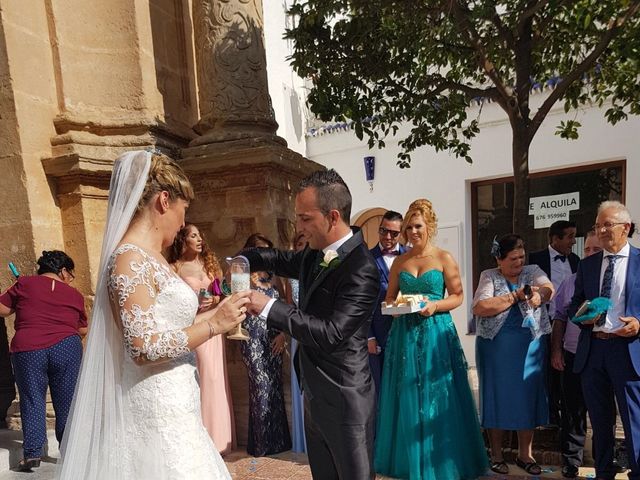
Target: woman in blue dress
(297, 398)
(427, 422)
(511, 353)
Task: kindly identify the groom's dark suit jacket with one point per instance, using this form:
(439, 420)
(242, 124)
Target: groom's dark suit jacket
(331, 324)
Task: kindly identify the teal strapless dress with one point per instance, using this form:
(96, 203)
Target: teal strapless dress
(427, 422)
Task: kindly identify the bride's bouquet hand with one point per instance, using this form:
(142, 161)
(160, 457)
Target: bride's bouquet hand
(230, 312)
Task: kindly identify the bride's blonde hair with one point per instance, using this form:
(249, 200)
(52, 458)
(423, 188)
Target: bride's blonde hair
(166, 175)
(424, 208)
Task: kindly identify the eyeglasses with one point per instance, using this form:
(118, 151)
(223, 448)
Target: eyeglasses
(606, 225)
(385, 231)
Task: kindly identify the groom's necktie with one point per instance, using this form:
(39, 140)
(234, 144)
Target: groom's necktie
(316, 269)
(607, 278)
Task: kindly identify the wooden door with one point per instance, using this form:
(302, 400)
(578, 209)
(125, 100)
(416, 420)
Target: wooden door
(369, 221)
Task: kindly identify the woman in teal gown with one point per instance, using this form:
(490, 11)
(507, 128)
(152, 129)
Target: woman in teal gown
(427, 422)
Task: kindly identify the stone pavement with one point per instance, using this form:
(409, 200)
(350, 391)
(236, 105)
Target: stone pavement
(292, 466)
(286, 466)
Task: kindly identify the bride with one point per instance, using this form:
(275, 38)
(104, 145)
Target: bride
(136, 409)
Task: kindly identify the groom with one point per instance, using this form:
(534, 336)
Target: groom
(339, 286)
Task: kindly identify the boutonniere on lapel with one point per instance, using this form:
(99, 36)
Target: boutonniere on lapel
(331, 259)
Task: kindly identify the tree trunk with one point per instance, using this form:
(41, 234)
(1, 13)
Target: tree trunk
(520, 160)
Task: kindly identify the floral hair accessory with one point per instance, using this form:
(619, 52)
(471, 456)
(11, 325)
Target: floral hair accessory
(495, 248)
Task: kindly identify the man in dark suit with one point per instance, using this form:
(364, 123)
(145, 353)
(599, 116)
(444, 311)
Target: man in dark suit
(564, 342)
(384, 253)
(608, 352)
(339, 287)
(558, 262)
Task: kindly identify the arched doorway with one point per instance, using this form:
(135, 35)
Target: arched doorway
(369, 221)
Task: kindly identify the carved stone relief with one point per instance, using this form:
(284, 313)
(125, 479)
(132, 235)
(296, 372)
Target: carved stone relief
(232, 75)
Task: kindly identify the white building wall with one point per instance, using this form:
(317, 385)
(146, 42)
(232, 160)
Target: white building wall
(285, 87)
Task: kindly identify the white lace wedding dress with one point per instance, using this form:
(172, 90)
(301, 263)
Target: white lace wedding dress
(165, 437)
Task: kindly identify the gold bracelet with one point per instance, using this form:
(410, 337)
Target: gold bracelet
(436, 304)
(212, 330)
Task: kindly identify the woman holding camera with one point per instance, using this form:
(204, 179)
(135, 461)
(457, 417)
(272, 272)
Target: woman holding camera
(510, 350)
(46, 350)
(198, 266)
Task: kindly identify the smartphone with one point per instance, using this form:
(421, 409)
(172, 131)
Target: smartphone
(527, 292)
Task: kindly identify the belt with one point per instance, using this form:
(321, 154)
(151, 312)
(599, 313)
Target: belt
(604, 335)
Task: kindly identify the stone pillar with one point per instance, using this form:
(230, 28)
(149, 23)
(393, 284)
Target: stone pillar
(243, 174)
(124, 80)
(80, 83)
(30, 219)
(232, 72)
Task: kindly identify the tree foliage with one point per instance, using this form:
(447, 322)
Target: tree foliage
(387, 63)
(381, 63)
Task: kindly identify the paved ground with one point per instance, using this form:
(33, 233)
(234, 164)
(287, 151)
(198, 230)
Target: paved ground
(287, 466)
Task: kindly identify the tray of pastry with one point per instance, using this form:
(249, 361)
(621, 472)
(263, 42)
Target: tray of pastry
(403, 304)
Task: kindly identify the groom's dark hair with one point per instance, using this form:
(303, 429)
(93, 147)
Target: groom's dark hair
(331, 192)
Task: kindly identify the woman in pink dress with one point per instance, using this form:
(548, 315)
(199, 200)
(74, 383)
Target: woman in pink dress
(198, 266)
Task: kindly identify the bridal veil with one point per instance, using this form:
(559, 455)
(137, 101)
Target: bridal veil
(94, 438)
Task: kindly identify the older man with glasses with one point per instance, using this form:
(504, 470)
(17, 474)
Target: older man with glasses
(385, 252)
(608, 352)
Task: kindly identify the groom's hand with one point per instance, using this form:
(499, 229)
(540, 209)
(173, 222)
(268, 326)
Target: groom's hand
(257, 302)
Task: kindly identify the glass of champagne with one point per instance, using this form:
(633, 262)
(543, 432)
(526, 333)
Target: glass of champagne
(240, 273)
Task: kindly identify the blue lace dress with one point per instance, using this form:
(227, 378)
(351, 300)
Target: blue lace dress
(427, 422)
(268, 426)
(297, 399)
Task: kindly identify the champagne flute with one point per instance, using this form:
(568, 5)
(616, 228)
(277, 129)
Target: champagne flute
(240, 281)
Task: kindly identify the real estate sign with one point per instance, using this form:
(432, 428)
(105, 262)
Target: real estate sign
(552, 208)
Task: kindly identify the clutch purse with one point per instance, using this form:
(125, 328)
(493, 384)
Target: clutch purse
(591, 310)
(215, 287)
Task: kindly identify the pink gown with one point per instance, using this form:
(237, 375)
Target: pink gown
(215, 392)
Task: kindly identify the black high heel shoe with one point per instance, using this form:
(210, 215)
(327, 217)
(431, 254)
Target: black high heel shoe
(27, 464)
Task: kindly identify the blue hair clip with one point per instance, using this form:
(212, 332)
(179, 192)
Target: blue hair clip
(495, 248)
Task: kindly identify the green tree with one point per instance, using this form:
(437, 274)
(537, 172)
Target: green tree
(381, 63)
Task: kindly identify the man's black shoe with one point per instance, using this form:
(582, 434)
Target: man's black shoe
(569, 471)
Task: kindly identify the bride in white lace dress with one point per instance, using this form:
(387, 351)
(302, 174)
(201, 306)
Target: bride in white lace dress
(136, 411)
